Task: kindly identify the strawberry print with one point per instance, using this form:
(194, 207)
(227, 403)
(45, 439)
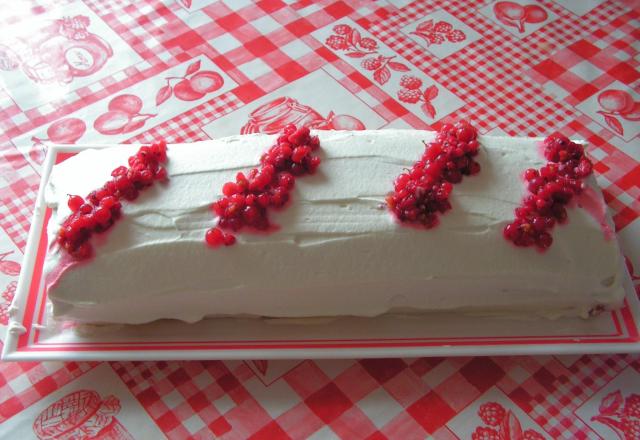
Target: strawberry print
(411, 94)
(7, 296)
(502, 424)
(438, 33)
(350, 40)
(621, 415)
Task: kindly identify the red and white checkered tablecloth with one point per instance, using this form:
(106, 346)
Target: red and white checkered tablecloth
(190, 70)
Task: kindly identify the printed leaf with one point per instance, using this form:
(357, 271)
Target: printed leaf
(355, 37)
(430, 93)
(135, 123)
(382, 75)
(614, 124)
(261, 366)
(10, 268)
(429, 109)
(398, 67)
(510, 428)
(611, 403)
(110, 406)
(425, 27)
(163, 94)
(356, 54)
(193, 68)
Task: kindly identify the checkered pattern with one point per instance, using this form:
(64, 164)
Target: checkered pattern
(522, 86)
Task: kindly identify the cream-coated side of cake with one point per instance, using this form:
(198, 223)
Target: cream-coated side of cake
(337, 251)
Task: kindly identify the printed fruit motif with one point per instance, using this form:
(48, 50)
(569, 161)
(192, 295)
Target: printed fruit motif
(534, 14)
(63, 131)
(261, 366)
(82, 414)
(351, 41)
(634, 113)
(622, 415)
(206, 81)
(194, 85)
(345, 122)
(8, 267)
(273, 116)
(437, 33)
(58, 52)
(515, 15)
(618, 103)
(66, 131)
(123, 116)
(185, 92)
(411, 93)
(503, 425)
(126, 103)
(7, 295)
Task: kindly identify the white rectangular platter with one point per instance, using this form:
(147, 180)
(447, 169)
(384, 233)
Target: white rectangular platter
(30, 337)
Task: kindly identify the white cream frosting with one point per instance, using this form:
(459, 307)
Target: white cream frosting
(337, 252)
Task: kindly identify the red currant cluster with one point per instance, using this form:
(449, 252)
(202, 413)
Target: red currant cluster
(423, 191)
(101, 208)
(552, 187)
(246, 201)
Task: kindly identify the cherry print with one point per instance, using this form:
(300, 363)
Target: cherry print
(534, 14)
(98, 211)
(551, 189)
(515, 15)
(245, 202)
(423, 191)
(509, 10)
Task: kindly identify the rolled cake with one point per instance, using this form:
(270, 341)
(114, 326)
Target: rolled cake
(337, 249)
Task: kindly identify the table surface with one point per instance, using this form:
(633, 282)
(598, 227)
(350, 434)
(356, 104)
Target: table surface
(192, 70)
